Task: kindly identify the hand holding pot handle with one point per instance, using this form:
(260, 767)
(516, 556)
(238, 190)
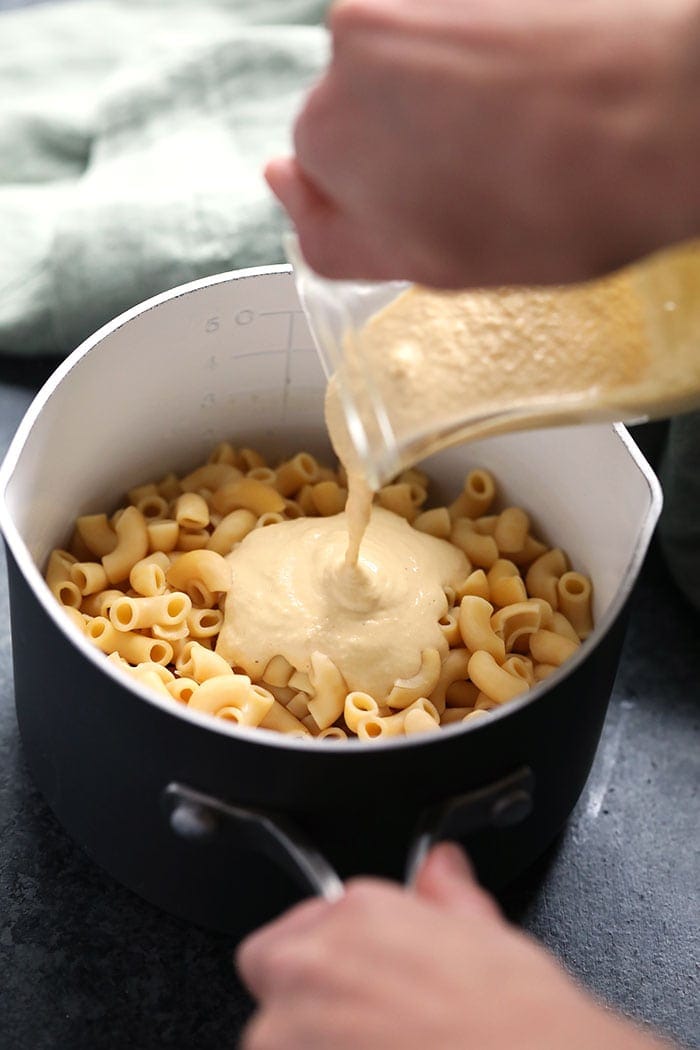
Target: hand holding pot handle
(382, 968)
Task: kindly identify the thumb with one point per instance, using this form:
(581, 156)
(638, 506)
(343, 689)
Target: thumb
(296, 192)
(332, 243)
(446, 877)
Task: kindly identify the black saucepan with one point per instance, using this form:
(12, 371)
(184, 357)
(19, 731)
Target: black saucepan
(227, 826)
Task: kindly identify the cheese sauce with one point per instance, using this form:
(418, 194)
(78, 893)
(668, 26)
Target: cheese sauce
(447, 367)
(294, 593)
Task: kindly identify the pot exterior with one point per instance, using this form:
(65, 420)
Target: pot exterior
(103, 757)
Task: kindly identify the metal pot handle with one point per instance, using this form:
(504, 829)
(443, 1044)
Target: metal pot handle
(200, 818)
(498, 805)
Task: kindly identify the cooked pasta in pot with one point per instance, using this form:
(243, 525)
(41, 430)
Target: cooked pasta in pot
(227, 590)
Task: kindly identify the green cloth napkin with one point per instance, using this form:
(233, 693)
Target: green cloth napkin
(132, 139)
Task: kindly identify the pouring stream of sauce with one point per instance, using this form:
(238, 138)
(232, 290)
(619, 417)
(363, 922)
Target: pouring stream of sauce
(366, 589)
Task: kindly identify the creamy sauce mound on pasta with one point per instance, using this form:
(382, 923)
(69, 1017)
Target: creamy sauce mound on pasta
(294, 594)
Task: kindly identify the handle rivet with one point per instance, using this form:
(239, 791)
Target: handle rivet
(511, 808)
(193, 822)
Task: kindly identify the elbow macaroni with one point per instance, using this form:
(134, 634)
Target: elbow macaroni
(147, 586)
(132, 545)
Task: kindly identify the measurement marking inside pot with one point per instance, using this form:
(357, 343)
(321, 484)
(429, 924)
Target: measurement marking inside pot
(291, 314)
